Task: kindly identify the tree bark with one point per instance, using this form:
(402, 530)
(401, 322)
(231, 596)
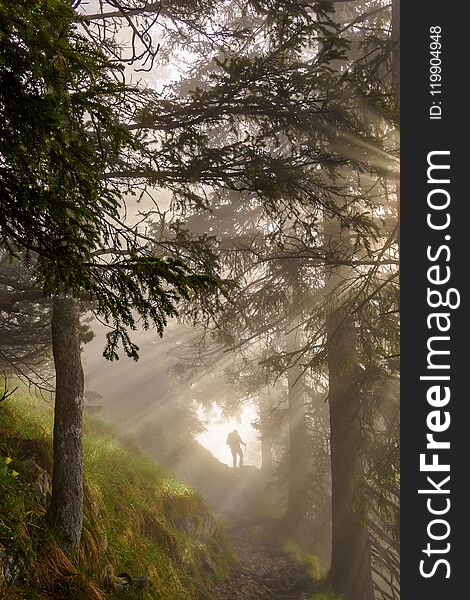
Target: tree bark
(66, 509)
(298, 447)
(350, 571)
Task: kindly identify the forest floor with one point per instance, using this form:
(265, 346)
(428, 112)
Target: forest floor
(250, 510)
(262, 570)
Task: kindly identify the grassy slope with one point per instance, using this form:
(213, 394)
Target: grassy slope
(138, 519)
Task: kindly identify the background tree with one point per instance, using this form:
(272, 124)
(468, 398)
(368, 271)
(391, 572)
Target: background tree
(24, 324)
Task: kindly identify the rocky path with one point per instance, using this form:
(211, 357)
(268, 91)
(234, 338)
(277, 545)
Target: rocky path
(263, 572)
(241, 500)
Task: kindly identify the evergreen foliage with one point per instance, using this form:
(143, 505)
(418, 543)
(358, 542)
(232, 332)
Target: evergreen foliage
(59, 132)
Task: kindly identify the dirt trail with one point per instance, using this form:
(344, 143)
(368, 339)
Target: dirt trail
(241, 500)
(263, 571)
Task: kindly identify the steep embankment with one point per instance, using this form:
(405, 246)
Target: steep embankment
(138, 520)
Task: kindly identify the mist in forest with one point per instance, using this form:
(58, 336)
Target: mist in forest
(199, 266)
(130, 394)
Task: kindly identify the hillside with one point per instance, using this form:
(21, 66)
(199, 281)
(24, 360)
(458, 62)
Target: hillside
(269, 565)
(138, 519)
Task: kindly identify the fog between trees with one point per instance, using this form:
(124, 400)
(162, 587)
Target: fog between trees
(246, 210)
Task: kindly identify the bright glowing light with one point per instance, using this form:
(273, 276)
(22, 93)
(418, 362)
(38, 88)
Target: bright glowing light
(218, 427)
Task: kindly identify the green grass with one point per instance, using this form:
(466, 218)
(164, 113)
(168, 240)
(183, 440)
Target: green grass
(138, 519)
(326, 595)
(314, 569)
(311, 562)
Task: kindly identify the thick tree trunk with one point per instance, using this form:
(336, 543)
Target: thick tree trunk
(350, 571)
(298, 447)
(66, 510)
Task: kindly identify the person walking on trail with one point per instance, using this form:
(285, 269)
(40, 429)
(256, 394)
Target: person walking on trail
(235, 442)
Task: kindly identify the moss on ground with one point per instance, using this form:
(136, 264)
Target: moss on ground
(138, 519)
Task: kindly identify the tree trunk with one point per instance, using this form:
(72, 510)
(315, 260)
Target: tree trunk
(298, 447)
(66, 510)
(350, 571)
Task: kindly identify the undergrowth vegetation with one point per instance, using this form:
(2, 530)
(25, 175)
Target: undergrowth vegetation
(326, 595)
(310, 561)
(138, 520)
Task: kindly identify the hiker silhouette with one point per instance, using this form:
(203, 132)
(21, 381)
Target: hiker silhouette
(235, 442)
